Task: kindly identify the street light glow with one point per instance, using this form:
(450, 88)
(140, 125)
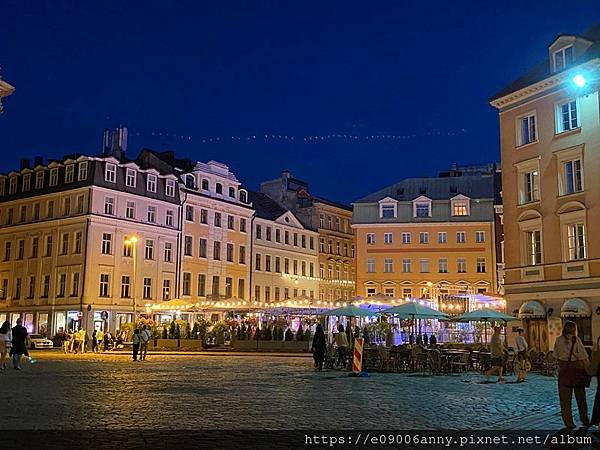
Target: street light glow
(579, 80)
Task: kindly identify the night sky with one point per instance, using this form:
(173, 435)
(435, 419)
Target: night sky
(211, 79)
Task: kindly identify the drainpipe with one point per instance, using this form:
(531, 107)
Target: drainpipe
(179, 259)
(251, 255)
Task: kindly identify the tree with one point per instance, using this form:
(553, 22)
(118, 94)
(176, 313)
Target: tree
(188, 331)
(177, 332)
(289, 336)
(300, 333)
(172, 330)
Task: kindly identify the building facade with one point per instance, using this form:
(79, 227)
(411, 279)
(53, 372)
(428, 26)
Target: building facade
(550, 143)
(428, 238)
(285, 255)
(333, 221)
(65, 233)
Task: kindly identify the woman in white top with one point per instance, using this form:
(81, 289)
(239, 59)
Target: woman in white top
(568, 347)
(5, 343)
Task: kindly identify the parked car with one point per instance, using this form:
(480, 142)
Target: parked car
(37, 341)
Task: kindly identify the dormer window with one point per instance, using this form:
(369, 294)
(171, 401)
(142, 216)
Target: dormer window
(243, 196)
(190, 181)
(69, 173)
(232, 192)
(26, 182)
(219, 188)
(563, 58)
(388, 209)
(12, 188)
(110, 173)
(151, 183)
(204, 184)
(53, 177)
(460, 206)
(39, 179)
(170, 188)
(130, 178)
(422, 207)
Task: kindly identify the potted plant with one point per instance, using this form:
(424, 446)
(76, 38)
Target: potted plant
(219, 329)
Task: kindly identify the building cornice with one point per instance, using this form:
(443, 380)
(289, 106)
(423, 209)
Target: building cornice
(420, 224)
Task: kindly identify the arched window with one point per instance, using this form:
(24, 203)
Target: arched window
(219, 188)
(243, 197)
(232, 192)
(189, 181)
(204, 184)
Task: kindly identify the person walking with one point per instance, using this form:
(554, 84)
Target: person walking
(136, 343)
(497, 355)
(5, 343)
(144, 340)
(19, 343)
(522, 357)
(572, 376)
(342, 344)
(319, 347)
(94, 341)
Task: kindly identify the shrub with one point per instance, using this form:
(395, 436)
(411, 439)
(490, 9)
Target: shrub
(165, 334)
(172, 330)
(280, 334)
(307, 334)
(177, 332)
(188, 331)
(267, 334)
(289, 336)
(300, 333)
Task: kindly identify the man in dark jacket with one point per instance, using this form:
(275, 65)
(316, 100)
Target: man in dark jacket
(19, 343)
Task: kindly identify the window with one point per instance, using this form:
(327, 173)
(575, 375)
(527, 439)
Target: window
(66, 206)
(64, 247)
(69, 173)
(170, 188)
(110, 173)
(166, 292)
(9, 216)
(23, 215)
(257, 261)
(370, 238)
(337, 224)
(387, 238)
(46, 286)
(572, 176)
(243, 197)
(31, 292)
(125, 286)
(424, 265)
(106, 243)
(258, 231)
(388, 265)
(302, 268)
(130, 210)
(231, 192)
(480, 237)
(127, 249)
(62, 285)
(168, 256)
(311, 270)
(82, 171)
(461, 265)
(242, 255)
(442, 237)
(576, 241)
(187, 247)
(7, 249)
(531, 186)
(80, 205)
(217, 250)
(215, 285)
(406, 265)
(219, 188)
(189, 213)
(267, 293)
(50, 209)
(205, 184)
(371, 266)
(388, 211)
(169, 218)
(151, 183)
(130, 178)
(152, 214)
(257, 293)
(443, 265)
(480, 265)
(311, 244)
(533, 242)
(75, 285)
(295, 266)
(526, 130)
(53, 177)
(460, 237)
(17, 294)
(422, 209)
(49, 245)
(286, 239)
(109, 206)
(321, 221)
(217, 219)
(39, 179)
(286, 265)
(242, 225)
(187, 283)
(203, 248)
(406, 238)
(228, 287)
(26, 182)
(104, 285)
(563, 58)
(295, 239)
(330, 246)
(460, 207)
(147, 293)
(20, 248)
(203, 216)
(567, 116)
(322, 245)
(329, 222)
(424, 237)
(241, 288)
(149, 249)
(231, 223)
(190, 181)
(201, 285)
(229, 252)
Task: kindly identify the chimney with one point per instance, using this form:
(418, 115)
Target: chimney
(106, 142)
(38, 161)
(119, 142)
(24, 163)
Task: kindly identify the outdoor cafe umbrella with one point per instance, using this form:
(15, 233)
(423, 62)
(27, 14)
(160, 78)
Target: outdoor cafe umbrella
(349, 311)
(484, 315)
(414, 310)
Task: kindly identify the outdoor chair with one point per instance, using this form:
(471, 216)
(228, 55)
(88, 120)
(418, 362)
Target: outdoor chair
(435, 362)
(385, 361)
(460, 363)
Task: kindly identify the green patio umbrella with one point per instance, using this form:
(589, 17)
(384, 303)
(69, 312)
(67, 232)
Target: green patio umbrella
(484, 315)
(414, 310)
(349, 311)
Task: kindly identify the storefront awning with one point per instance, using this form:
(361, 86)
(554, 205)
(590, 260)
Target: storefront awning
(532, 310)
(575, 307)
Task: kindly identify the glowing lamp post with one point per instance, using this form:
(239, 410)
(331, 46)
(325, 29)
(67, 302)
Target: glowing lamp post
(132, 243)
(579, 81)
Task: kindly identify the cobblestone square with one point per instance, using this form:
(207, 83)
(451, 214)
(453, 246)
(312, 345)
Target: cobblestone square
(260, 392)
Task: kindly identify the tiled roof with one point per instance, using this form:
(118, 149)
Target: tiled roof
(436, 189)
(264, 206)
(542, 70)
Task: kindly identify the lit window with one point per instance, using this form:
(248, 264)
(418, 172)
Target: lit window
(576, 241)
(460, 207)
(533, 242)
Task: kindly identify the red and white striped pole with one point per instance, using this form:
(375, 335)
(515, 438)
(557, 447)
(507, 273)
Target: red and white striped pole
(358, 353)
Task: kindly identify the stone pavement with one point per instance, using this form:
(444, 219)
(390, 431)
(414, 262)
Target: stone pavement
(204, 392)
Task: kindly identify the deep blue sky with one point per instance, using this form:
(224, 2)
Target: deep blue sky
(206, 70)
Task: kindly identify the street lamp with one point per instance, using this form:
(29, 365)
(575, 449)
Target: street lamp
(132, 242)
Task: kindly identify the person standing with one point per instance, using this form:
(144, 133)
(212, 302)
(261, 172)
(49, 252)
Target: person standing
(94, 341)
(106, 340)
(144, 339)
(5, 343)
(572, 360)
(100, 338)
(522, 358)
(19, 343)
(497, 355)
(342, 344)
(319, 347)
(136, 343)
